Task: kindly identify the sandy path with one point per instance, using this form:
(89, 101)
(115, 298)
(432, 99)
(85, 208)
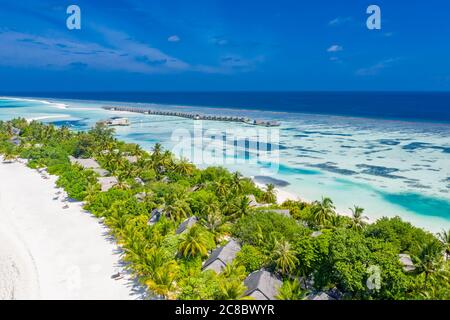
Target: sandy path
(47, 252)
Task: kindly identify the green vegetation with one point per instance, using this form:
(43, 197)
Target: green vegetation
(313, 250)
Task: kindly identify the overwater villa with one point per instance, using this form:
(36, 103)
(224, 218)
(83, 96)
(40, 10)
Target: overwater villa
(195, 116)
(262, 285)
(220, 257)
(116, 121)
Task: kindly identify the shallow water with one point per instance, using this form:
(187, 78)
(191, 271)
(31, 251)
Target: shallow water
(388, 167)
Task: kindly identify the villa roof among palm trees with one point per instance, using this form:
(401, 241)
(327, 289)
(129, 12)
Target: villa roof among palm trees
(139, 181)
(15, 131)
(140, 196)
(284, 212)
(101, 172)
(252, 201)
(107, 183)
(155, 215)
(85, 163)
(186, 224)
(315, 234)
(132, 159)
(320, 296)
(221, 256)
(406, 261)
(15, 140)
(262, 285)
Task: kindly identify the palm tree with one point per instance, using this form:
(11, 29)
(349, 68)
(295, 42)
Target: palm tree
(184, 167)
(323, 211)
(177, 209)
(234, 271)
(358, 222)
(291, 290)
(270, 194)
(221, 187)
(194, 243)
(429, 259)
(157, 149)
(213, 221)
(231, 290)
(284, 257)
(9, 155)
(162, 279)
(242, 207)
(236, 182)
(444, 236)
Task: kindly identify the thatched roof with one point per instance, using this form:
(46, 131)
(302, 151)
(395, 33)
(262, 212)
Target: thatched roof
(320, 296)
(262, 285)
(284, 212)
(85, 163)
(252, 199)
(315, 234)
(221, 256)
(101, 172)
(15, 141)
(16, 131)
(107, 183)
(186, 224)
(155, 215)
(132, 159)
(406, 261)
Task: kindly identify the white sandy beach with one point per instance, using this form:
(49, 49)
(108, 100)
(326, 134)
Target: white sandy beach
(47, 252)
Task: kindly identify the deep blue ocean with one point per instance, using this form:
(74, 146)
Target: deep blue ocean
(414, 106)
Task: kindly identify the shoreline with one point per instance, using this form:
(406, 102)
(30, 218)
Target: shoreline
(372, 191)
(49, 252)
(57, 102)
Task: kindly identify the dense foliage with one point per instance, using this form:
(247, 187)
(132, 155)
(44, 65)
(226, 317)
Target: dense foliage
(312, 250)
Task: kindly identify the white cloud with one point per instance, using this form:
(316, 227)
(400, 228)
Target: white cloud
(174, 38)
(376, 68)
(339, 20)
(121, 54)
(335, 48)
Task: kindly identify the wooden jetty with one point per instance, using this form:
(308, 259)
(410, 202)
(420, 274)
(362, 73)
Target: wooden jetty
(195, 116)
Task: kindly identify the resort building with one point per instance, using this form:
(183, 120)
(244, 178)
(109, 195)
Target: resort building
(155, 216)
(315, 234)
(320, 296)
(85, 163)
(132, 159)
(117, 121)
(220, 257)
(89, 164)
(283, 212)
(16, 131)
(252, 201)
(262, 285)
(107, 183)
(186, 224)
(15, 141)
(140, 196)
(407, 263)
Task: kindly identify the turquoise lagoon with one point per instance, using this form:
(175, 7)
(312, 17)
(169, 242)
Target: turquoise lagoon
(391, 168)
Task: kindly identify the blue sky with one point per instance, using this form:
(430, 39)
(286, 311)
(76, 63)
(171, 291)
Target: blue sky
(224, 45)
